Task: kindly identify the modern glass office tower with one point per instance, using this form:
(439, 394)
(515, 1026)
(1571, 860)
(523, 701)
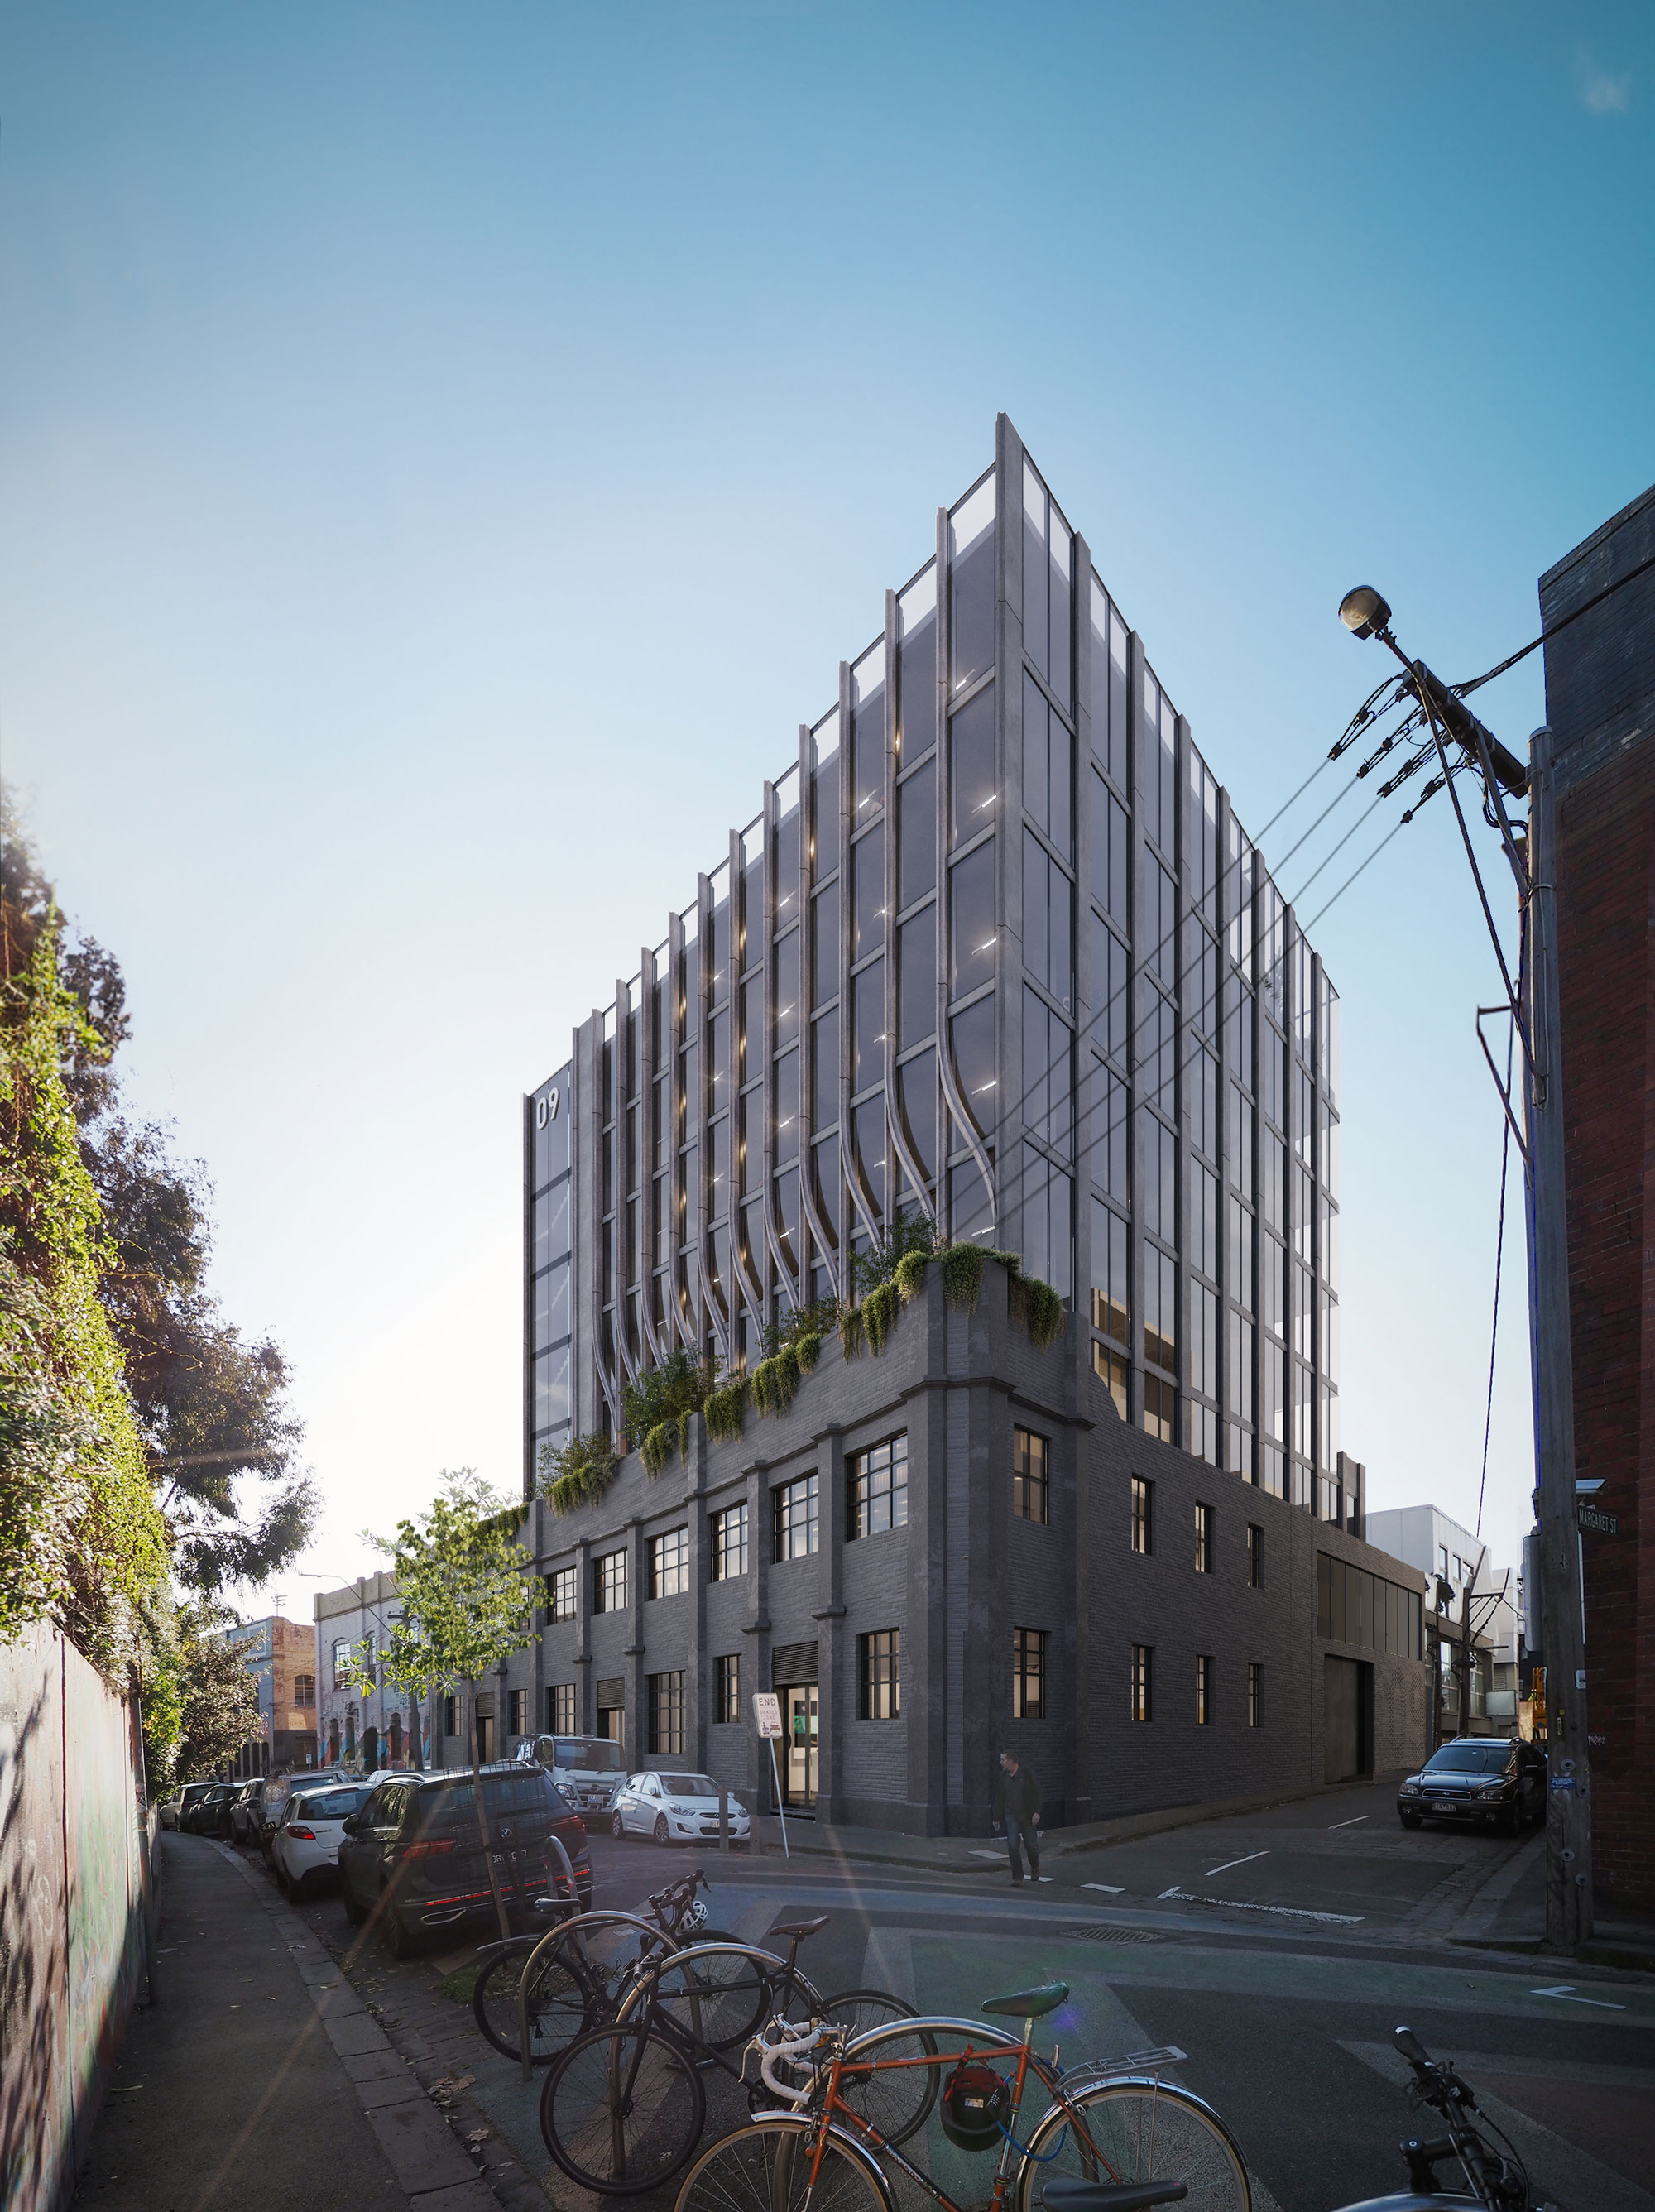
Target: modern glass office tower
(996, 947)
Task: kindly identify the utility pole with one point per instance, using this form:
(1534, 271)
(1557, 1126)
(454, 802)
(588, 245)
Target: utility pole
(1568, 1806)
(1466, 1648)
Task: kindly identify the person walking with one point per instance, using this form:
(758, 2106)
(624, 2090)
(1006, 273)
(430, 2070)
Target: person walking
(1017, 1808)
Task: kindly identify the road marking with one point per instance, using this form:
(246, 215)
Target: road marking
(1240, 1905)
(987, 1855)
(1567, 1990)
(1112, 1888)
(1228, 1864)
(1356, 1823)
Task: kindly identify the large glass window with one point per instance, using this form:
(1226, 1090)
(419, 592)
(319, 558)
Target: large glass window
(1030, 1485)
(560, 1594)
(1157, 1050)
(868, 736)
(1201, 838)
(972, 883)
(917, 979)
(971, 585)
(786, 992)
(867, 908)
(972, 790)
(1047, 1222)
(1239, 1367)
(974, 1065)
(667, 1714)
(609, 1582)
(1203, 1341)
(1048, 1077)
(1048, 593)
(916, 833)
(1108, 699)
(1159, 770)
(825, 800)
(1104, 1137)
(561, 1708)
(1109, 1273)
(824, 1076)
(1201, 1229)
(916, 1092)
(1108, 851)
(867, 999)
(867, 1123)
(1047, 769)
(1047, 922)
(669, 1564)
(916, 666)
(794, 1506)
(787, 1107)
(880, 1670)
(1160, 1184)
(728, 1549)
(876, 1488)
(1111, 1004)
(1160, 1310)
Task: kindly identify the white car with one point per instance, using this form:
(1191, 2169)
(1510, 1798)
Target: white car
(674, 1809)
(306, 1845)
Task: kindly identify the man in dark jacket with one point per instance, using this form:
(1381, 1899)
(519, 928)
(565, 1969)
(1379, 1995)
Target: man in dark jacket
(1017, 1807)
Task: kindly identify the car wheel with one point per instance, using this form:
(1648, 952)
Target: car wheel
(616, 1826)
(399, 1941)
(663, 1834)
(1411, 1819)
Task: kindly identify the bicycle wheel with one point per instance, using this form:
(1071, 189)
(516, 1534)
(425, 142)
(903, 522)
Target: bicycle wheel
(621, 2110)
(894, 2097)
(716, 1993)
(766, 2169)
(1136, 2131)
(560, 2003)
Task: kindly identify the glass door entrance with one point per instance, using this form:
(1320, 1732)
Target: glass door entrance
(799, 1713)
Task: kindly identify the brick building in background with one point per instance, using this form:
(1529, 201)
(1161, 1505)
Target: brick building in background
(1600, 703)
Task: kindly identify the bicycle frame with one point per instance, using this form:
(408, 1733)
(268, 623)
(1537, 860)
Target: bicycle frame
(992, 2046)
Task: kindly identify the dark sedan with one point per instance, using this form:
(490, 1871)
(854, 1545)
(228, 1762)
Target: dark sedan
(413, 1854)
(1478, 1781)
(209, 1814)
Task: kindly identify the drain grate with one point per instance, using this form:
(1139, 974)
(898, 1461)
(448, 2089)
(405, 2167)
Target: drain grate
(1098, 1933)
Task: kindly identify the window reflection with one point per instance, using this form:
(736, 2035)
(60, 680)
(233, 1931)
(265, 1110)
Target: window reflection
(972, 884)
(868, 730)
(916, 825)
(972, 584)
(917, 979)
(973, 1038)
(916, 666)
(971, 802)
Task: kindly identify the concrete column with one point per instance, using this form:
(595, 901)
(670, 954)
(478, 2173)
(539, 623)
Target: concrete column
(834, 1709)
(755, 1629)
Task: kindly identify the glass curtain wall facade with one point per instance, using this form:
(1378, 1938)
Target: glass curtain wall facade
(995, 949)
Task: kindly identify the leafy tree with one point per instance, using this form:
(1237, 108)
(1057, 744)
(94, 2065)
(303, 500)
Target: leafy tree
(219, 1698)
(464, 1584)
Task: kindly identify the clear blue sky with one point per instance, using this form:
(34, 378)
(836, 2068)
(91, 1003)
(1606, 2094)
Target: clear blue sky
(445, 453)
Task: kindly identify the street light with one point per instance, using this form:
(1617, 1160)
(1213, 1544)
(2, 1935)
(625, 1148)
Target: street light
(1533, 1010)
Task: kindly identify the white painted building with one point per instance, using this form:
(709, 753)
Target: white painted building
(359, 1729)
(1444, 1548)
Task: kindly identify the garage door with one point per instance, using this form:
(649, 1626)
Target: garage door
(1341, 1730)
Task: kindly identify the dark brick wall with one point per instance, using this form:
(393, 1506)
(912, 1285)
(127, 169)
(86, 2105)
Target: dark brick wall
(1600, 696)
(963, 1573)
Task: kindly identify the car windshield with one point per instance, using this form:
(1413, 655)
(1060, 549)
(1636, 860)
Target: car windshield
(1470, 1759)
(688, 1785)
(589, 1758)
(332, 1804)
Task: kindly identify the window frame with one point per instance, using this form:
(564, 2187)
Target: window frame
(607, 1585)
(862, 1498)
(726, 1689)
(563, 1594)
(1031, 1665)
(1203, 1538)
(668, 1575)
(1255, 1693)
(555, 1694)
(1143, 1516)
(1203, 1689)
(1030, 1485)
(783, 1518)
(1143, 1683)
(721, 1549)
(879, 1671)
(664, 1700)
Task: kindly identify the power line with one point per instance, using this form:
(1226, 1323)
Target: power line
(1464, 690)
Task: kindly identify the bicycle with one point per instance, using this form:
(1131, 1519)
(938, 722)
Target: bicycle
(1497, 2183)
(623, 2107)
(573, 1985)
(1111, 2135)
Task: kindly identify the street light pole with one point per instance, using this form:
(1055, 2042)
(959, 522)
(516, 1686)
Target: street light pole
(1535, 1011)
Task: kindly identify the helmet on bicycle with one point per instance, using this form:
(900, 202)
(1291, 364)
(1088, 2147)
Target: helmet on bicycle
(974, 2103)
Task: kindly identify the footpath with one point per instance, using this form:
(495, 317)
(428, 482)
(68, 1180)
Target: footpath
(259, 2080)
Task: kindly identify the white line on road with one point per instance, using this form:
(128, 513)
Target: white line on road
(1228, 1864)
(1240, 1905)
(1112, 1888)
(1356, 1823)
(1567, 1990)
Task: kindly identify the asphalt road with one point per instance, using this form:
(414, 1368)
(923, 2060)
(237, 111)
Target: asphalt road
(1286, 2014)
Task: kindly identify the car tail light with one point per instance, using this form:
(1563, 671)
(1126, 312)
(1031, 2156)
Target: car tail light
(428, 1851)
(303, 1835)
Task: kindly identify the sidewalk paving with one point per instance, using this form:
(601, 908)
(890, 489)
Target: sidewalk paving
(1509, 1914)
(261, 2082)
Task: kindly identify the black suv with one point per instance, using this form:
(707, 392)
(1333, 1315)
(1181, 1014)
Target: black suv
(1477, 1779)
(414, 1855)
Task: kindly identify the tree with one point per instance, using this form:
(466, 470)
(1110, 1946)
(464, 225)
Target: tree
(463, 1581)
(219, 1697)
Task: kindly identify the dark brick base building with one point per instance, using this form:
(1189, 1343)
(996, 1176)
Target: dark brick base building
(1600, 703)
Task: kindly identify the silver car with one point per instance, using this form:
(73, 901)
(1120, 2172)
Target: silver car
(674, 1809)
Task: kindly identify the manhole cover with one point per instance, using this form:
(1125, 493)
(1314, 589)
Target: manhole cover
(1098, 1933)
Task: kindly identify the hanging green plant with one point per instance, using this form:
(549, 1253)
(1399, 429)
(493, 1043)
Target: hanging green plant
(853, 1337)
(683, 1436)
(881, 1311)
(809, 1349)
(658, 1446)
(725, 1410)
(909, 1278)
(1043, 1313)
(578, 1472)
(776, 1381)
(962, 1276)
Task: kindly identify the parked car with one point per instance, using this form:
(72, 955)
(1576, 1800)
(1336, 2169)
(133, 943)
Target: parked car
(243, 1807)
(674, 1807)
(588, 1769)
(270, 1805)
(208, 1813)
(1479, 1780)
(412, 1854)
(179, 1801)
(305, 1849)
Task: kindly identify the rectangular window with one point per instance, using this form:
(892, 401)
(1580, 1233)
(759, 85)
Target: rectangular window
(1029, 1673)
(667, 1714)
(1110, 1368)
(561, 1716)
(1201, 1367)
(729, 1545)
(1030, 1493)
(1203, 1539)
(1110, 1000)
(1255, 1556)
(1143, 1510)
(669, 1564)
(1160, 1184)
(609, 1582)
(1160, 1310)
(1255, 1694)
(795, 1506)
(1143, 1681)
(1109, 1276)
(304, 1689)
(876, 1492)
(1203, 1690)
(1202, 1223)
(517, 1711)
(451, 1716)
(1160, 1408)
(879, 1669)
(1109, 852)
(727, 1687)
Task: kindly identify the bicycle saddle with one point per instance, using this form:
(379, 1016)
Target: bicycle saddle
(1029, 2004)
(799, 1928)
(1074, 2196)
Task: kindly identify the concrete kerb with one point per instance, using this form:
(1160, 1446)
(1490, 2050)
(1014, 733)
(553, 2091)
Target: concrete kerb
(432, 2170)
(957, 1854)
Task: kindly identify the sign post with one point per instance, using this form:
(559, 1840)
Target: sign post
(767, 1712)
